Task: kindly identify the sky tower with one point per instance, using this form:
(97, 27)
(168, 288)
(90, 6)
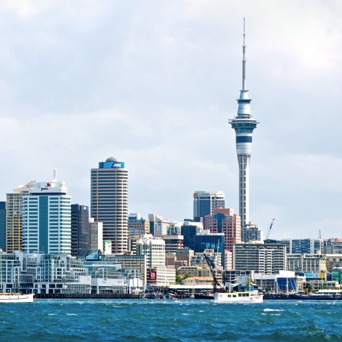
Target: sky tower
(244, 124)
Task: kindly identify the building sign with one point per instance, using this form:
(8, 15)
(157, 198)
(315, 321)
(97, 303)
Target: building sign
(152, 275)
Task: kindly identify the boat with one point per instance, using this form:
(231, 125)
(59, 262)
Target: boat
(16, 298)
(241, 297)
(248, 294)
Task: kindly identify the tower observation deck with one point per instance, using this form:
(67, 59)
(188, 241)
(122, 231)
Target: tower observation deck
(244, 124)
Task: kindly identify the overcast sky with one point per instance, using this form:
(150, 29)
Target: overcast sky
(153, 84)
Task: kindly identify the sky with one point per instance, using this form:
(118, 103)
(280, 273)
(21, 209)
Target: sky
(153, 83)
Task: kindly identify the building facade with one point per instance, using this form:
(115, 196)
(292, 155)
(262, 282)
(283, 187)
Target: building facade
(14, 217)
(137, 225)
(159, 225)
(227, 222)
(80, 230)
(96, 235)
(3, 225)
(303, 246)
(46, 219)
(206, 240)
(109, 202)
(205, 202)
(265, 258)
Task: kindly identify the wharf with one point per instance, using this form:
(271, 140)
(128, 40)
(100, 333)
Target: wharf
(297, 296)
(87, 296)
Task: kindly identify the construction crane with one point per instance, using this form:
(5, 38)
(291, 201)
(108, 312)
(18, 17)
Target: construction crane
(269, 230)
(217, 285)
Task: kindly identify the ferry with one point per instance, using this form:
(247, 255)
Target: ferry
(16, 298)
(245, 297)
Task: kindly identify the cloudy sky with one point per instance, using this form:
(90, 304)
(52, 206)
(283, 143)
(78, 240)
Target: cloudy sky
(154, 82)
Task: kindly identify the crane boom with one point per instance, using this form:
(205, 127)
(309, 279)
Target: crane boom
(216, 282)
(269, 230)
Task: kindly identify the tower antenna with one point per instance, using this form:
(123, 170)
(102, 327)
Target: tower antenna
(244, 56)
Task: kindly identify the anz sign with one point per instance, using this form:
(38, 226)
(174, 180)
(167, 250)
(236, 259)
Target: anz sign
(111, 164)
(117, 164)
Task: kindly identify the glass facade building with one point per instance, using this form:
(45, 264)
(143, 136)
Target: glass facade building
(46, 219)
(109, 202)
(205, 202)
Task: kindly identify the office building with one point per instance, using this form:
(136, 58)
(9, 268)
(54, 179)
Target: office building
(173, 243)
(332, 246)
(96, 235)
(205, 202)
(14, 217)
(227, 222)
(109, 202)
(244, 124)
(3, 226)
(46, 218)
(251, 232)
(80, 230)
(138, 226)
(303, 246)
(265, 258)
(307, 263)
(206, 240)
(189, 230)
(153, 248)
(159, 225)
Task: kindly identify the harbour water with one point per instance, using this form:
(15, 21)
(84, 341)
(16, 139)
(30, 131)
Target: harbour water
(170, 320)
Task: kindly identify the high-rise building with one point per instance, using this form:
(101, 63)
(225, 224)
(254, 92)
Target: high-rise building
(153, 248)
(3, 225)
(96, 235)
(244, 124)
(14, 217)
(159, 225)
(46, 218)
(109, 202)
(265, 258)
(206, 240)
(189, 230)
(227, 222)
(80, 230)
(205, 202)
(303, 246)
(138, 226)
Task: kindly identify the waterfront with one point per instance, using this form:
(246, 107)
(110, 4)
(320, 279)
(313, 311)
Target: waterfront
(170, 320)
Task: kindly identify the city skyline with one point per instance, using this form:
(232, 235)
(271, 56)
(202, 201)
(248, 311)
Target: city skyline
(154, 85)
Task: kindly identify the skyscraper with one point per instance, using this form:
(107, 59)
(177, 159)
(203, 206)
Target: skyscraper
(206, 201)
(3, 225)
(80, 230)
(244, 124)
(227, 222)
(109, 202)
(14, 217)
(46, 218)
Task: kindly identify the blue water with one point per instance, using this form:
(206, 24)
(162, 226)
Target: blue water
(170, 320)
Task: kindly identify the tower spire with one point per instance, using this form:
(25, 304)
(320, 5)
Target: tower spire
(244, 57)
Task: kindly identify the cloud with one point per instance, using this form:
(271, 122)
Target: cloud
(154, 83)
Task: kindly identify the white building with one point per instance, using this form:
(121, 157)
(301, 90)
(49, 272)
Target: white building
(153, 248)
(159, 225)
(46, 218)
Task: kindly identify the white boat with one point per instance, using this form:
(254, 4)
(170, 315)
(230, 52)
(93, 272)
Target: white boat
(16, 298)
(245, 297)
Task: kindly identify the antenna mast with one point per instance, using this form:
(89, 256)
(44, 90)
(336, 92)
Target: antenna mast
(244, 56)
